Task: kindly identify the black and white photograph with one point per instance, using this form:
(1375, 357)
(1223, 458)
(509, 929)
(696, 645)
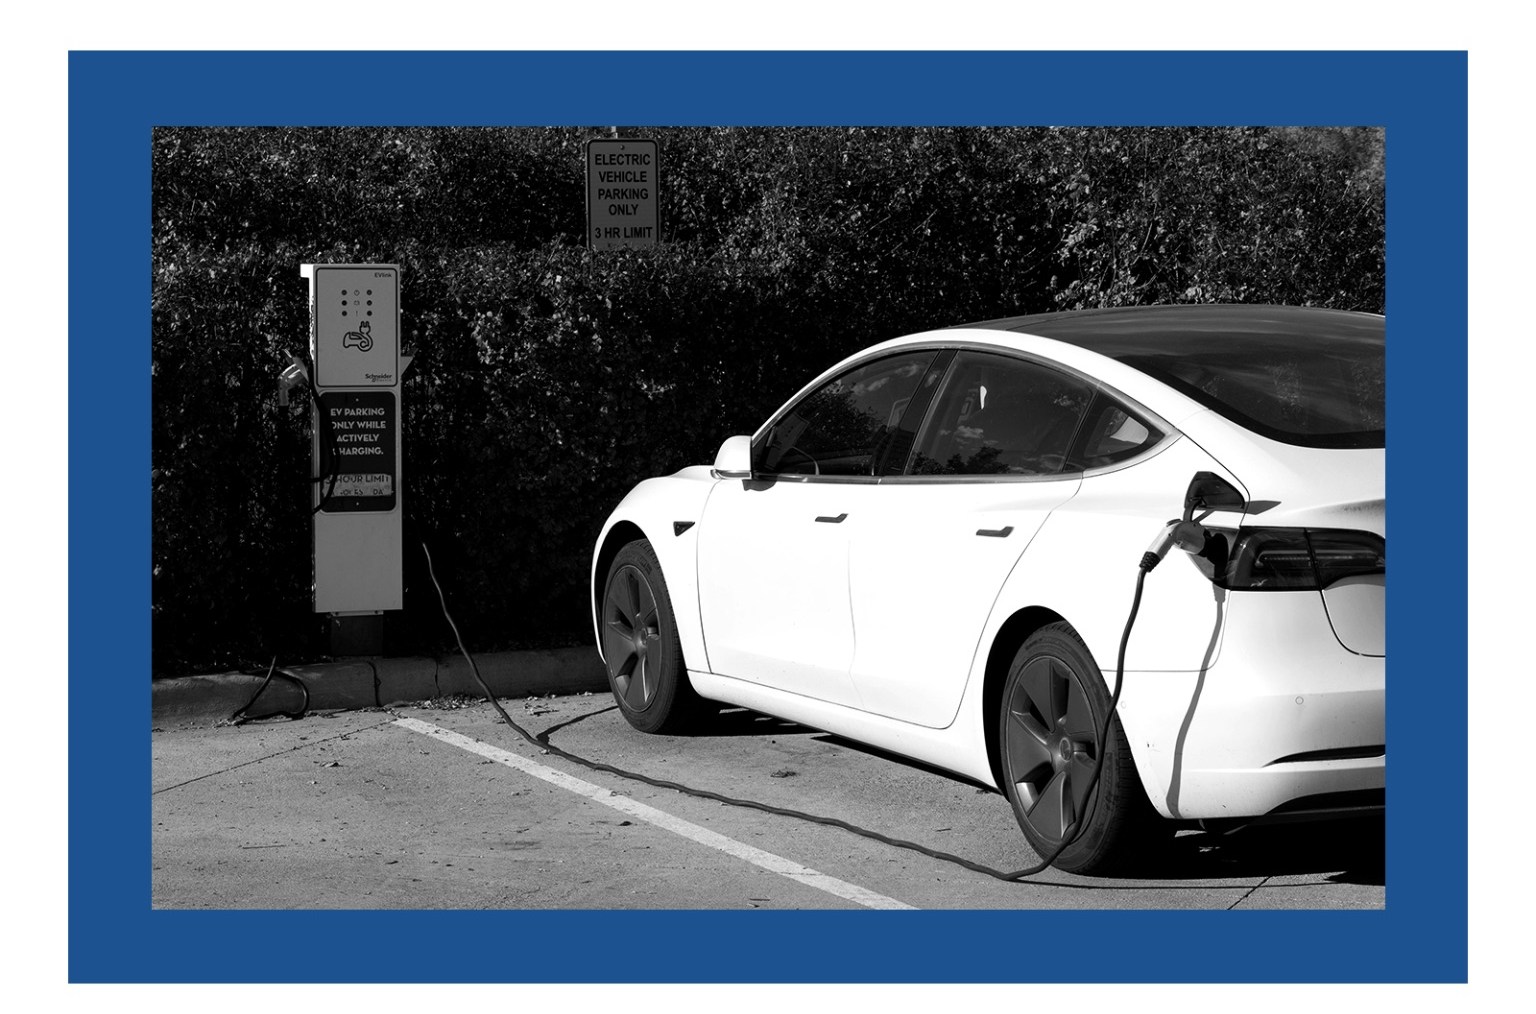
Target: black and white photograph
(653, 517)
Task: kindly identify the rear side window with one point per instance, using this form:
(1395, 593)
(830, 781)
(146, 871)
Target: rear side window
(1311, 377)
(1314, 397)
(847, 426)
(1111, 433)
(996, 415)
(1313, 393)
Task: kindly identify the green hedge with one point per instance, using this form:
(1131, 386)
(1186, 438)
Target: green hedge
(548, 380)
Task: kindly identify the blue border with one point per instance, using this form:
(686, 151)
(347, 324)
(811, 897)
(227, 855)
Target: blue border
(115, 99)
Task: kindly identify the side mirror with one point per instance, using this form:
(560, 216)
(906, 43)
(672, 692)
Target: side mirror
(1209, 491)
(734, 459)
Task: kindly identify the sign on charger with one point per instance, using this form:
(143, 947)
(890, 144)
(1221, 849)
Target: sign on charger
(357, 444)
(353, 484)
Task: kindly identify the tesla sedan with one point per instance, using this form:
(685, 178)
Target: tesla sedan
(933, 548)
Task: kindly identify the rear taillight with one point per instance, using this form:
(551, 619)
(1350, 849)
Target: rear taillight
(1280, 559)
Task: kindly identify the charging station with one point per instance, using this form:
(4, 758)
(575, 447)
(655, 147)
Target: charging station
(354, 335)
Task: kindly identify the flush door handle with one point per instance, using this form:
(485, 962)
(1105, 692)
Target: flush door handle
(833, 521)
(996, 533)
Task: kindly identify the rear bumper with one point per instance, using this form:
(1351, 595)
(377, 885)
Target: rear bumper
(1287, 722)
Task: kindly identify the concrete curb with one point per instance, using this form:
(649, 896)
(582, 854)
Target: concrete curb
(375, 682)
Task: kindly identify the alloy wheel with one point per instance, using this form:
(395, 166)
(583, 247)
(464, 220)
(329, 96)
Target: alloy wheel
(631, 637)
(1050, 745)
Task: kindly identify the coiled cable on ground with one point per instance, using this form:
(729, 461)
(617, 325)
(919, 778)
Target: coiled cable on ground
(240, 717)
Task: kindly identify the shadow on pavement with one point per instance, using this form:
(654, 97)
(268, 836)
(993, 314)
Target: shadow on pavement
(741, 722)
(1353, 851)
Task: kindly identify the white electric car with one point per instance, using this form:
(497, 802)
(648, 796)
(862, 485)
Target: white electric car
(933, 549)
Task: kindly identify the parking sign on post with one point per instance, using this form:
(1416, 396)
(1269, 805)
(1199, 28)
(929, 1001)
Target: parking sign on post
(622, 180)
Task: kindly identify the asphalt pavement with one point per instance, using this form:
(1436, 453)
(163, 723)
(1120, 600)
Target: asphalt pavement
(438, 804)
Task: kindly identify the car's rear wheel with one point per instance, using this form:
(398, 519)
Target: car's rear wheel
(641, 647)
(1053, 709)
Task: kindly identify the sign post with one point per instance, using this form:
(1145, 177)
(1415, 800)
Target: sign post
(623, 176)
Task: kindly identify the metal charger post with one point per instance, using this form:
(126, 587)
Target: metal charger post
(354, 312)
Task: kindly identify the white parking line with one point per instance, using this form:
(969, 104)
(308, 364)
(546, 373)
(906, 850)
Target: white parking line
(659, 818)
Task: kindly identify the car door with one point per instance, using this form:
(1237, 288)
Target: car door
(989, 465)
(773, 549)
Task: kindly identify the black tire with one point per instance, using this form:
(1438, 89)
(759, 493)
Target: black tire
(1053, 707)
(641, 646)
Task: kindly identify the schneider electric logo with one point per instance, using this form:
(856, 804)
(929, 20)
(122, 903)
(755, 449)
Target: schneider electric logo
(374, 378)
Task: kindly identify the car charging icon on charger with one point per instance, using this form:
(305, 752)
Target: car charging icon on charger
(360, 339)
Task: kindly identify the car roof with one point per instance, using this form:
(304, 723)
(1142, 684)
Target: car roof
(1118, 332)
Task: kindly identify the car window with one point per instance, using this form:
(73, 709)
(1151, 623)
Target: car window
(1110, 433)
(1328, 398)
(996, 415)
(847, 426)
(1314, 378)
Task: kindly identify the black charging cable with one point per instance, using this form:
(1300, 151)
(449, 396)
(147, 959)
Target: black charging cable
(1067, 839)
(327, 450)
(240, 717)
(327, 440)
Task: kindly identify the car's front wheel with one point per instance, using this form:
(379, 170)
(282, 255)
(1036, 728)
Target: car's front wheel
(1053, 709)
(641, 646)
